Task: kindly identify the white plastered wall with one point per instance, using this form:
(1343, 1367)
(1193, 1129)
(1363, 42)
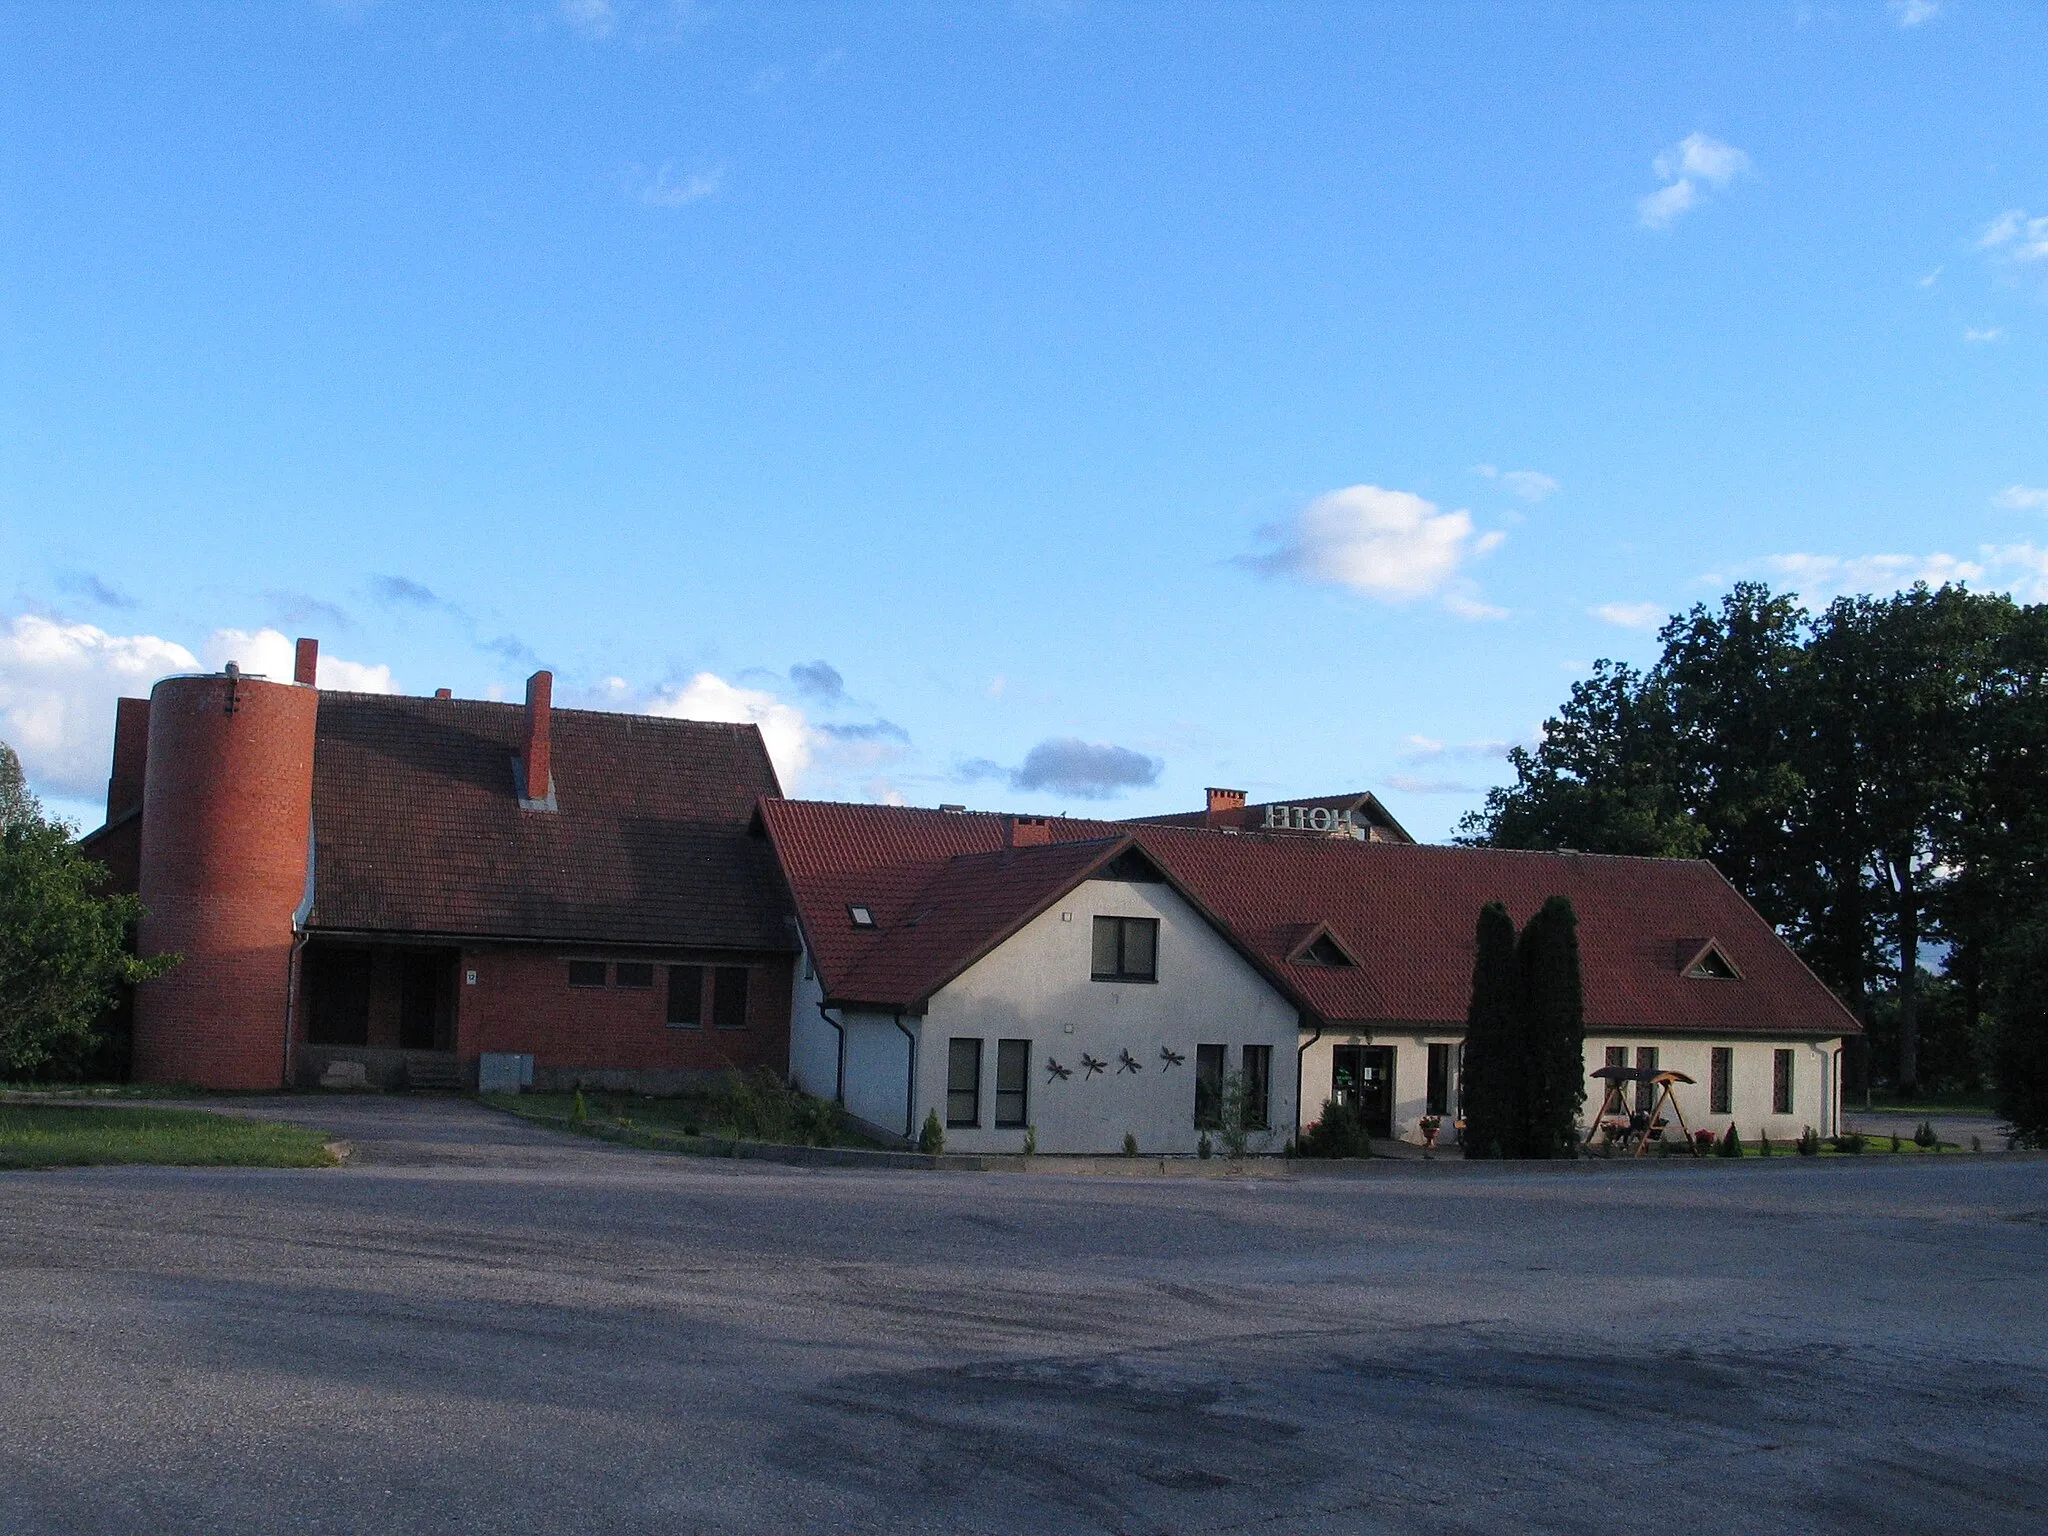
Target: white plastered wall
(1816, 1082)
(1036, 986)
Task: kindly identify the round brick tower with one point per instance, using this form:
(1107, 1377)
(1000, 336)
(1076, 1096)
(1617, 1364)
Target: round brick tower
(226, 818)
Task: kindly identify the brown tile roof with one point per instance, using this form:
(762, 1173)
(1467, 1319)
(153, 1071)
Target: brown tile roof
(944, 891)
(416, 829)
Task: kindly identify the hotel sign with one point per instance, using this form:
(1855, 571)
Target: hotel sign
(1307, 818)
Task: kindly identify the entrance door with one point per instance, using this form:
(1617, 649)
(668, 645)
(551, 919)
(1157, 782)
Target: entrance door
(426, 985)
(1362, 1076)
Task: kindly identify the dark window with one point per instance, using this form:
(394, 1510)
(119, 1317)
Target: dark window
(1258, 1087)
(337, 996)
(1126, 949)
(586, 973)
(1646, 1092)
(729, 997)
(631, 973)
(686, 996)
(963, 1082)
(1325, 951)
(1208, 1086)
(1013, 1082)
(1438, 1100)
(1781, 1082)
(1721, 1081)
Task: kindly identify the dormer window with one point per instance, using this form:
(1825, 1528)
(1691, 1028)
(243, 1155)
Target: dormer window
(1705, 960)
(860, 916)
(1323, 951)
(1319, 946)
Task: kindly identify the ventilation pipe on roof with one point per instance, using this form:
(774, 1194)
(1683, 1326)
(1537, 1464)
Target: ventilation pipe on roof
(536, 762)
(306, 663)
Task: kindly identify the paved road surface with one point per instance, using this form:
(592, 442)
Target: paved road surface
(484, 1327)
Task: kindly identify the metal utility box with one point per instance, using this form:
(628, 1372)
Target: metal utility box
(503, 1072)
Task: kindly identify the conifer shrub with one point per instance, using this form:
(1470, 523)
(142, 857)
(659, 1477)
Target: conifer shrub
(1130, 1145)
(1339, 1133)
(1553, 1031)
(1763, 1144)
(932, 1139)
(1493, 1043)
(1809, 1143)
(1730, 1144)
(1925, 1137)
(1204, 1148)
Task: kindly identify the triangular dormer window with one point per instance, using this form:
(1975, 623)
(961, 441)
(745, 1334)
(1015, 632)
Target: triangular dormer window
(1322, 947)
(1705, 960)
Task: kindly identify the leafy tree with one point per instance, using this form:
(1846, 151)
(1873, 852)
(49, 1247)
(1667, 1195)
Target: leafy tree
(2020, 1049)
(1552, 1005)
(1494, 1045)
(63, 946)
(16, 803)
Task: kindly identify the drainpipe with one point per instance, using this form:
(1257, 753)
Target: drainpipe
(1300, 1053)
(839, 1067)
(909, 1083)
(291, 1000)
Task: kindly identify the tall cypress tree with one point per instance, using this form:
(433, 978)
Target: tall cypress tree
(1553, 1031)
(1494, 1051)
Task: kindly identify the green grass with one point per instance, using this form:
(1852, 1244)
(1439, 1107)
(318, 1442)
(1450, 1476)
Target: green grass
(739, 1109)
(66, 1136)
(1925, 1104)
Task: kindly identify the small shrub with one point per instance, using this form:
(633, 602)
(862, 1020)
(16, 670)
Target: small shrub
(581, 1112)
(1809, 1143)
(1130, 1145)
(1030, 1141)
(1340, 1133)
(1204, 1148)
(1763, 1144)
(1925, 1138)
(1898, 1142)
(1976, 1144)
(1731, 1144)
(932, 1138)
(1852, 1144)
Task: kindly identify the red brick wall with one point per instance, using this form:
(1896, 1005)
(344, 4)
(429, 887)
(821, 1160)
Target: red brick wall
(522, 1001)
(226, 812)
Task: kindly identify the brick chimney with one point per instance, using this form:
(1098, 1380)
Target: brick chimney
(1027, 832)
(1225, 800)
(444, 693)
(131, 757)
(538, 759)
(306, 664)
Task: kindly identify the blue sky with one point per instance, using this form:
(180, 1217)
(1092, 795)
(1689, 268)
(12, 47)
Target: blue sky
(1042, 406)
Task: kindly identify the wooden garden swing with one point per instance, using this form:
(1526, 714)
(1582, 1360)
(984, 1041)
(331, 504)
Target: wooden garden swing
(1639, 1126)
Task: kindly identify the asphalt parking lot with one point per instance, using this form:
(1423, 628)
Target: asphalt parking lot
(479, 1325)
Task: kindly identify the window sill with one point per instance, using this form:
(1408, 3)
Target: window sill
(1142, 981)
(673, 1025)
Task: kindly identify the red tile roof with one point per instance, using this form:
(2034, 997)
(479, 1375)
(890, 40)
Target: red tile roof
(944, 891)
(416, 828)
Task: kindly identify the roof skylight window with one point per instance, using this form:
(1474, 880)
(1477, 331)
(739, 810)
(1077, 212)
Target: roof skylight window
(861, 916)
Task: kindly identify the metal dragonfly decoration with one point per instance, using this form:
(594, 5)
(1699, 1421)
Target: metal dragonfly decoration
(1126, 1062)
(1171, 1058)
(1090, 1066)
(1054, 1070)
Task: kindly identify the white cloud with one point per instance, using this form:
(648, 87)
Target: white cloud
(58, 684)
(2013, 236)
(1697, 155)
(789, 736)
(1684, 167)
(1871, 573)
(1387, 544)
(2021, 568)
(268, 653)
(1667, 203)
(1984, 336)
(1414, 786)
(1630, 615)
(2022, 498)
(1930, 279)
(1529, 484)
(668, 189)
(596, 19)
(1912, 13)
(1421, 749)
